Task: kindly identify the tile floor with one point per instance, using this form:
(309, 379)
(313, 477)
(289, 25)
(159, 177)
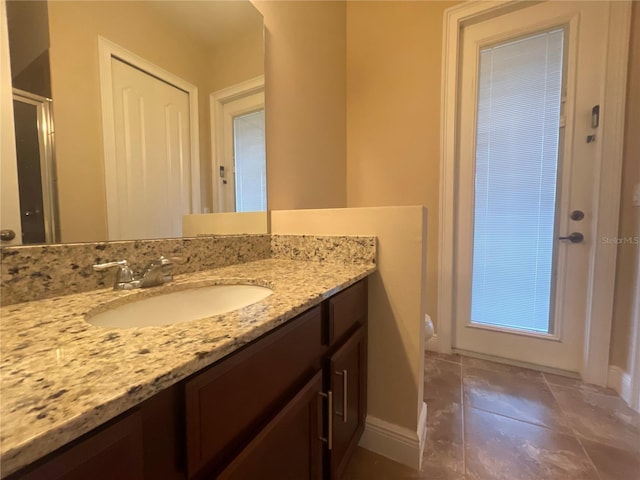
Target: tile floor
(488, 421)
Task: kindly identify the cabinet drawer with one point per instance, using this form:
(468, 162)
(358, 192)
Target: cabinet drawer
(227, 403)
(347, 310)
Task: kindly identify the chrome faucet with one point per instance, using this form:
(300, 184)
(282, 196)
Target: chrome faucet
(154, 273)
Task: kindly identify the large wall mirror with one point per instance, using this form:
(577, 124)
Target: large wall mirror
(130, 114)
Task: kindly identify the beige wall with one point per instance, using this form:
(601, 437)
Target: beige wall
(628, 256)
(249, 48)
(306, 98)
(305, 92)
(224, 223)
(396, 303)
(394, 52)
(28, 32)
(74, 28)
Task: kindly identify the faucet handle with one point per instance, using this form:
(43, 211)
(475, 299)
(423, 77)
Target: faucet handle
(167, 266)
(100, 267)
(124, 275)
(172, 260)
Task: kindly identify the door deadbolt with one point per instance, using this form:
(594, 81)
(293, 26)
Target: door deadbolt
(576, 215)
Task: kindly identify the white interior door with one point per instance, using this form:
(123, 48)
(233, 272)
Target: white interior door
(151, 182)
(529, 82)
(242, 182)
(10, 210)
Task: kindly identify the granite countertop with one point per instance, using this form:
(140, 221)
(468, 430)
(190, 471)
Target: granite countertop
(61, 377)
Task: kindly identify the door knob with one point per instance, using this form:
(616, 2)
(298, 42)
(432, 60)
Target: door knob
(7, 235)
(574, 237)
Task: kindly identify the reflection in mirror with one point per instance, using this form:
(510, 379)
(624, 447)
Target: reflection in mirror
(158, 110)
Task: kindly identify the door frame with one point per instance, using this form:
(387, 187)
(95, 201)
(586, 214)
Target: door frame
(106, 51)
(606, 201)
(634, 352)
(10, 205)
(217, 101)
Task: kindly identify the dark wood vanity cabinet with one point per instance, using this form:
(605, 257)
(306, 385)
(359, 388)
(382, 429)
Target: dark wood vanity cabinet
(296, 405)
(290, 446)
(112, 452)
(347, 311)
(228, 402)
(290, 405)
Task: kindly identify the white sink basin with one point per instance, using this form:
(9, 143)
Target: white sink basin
(181, 306)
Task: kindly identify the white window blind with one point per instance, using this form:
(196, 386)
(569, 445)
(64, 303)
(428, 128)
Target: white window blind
(518, 122)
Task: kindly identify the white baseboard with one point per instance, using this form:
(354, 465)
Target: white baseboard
(620, 381)
(422, 433)
(397, 443)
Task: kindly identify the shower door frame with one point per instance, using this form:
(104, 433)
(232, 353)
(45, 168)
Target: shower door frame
(48, 178)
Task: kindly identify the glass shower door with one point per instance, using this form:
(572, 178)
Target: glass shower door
(36, 174)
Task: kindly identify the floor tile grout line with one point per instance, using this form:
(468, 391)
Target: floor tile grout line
(555, 398)
(588, 457)
(519, 419)
(442, 359)
(485, 369)
(575, 434)
(597, 391)
(464, 423)
(570, 432)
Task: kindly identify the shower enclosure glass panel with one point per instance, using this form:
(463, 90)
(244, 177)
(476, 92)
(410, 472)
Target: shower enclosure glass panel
(36, 175)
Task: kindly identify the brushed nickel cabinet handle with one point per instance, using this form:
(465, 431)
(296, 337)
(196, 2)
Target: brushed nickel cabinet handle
(345, 394)
(329, 438)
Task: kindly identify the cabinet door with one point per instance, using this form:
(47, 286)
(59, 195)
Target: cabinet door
(289, 446)
(114, 452)
(229, 402)
(348, 382)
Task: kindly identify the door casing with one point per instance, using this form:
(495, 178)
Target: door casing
(107, 51)
(217, 101)
(606, 201)
(10, 211)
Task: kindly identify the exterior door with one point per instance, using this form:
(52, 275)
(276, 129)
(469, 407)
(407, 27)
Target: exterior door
(150, 188)
(243, 177)
(532, 83)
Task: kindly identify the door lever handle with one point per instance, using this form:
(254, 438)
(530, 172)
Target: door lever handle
(574, 237)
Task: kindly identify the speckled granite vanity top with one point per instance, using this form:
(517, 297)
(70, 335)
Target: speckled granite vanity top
(61, 377)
